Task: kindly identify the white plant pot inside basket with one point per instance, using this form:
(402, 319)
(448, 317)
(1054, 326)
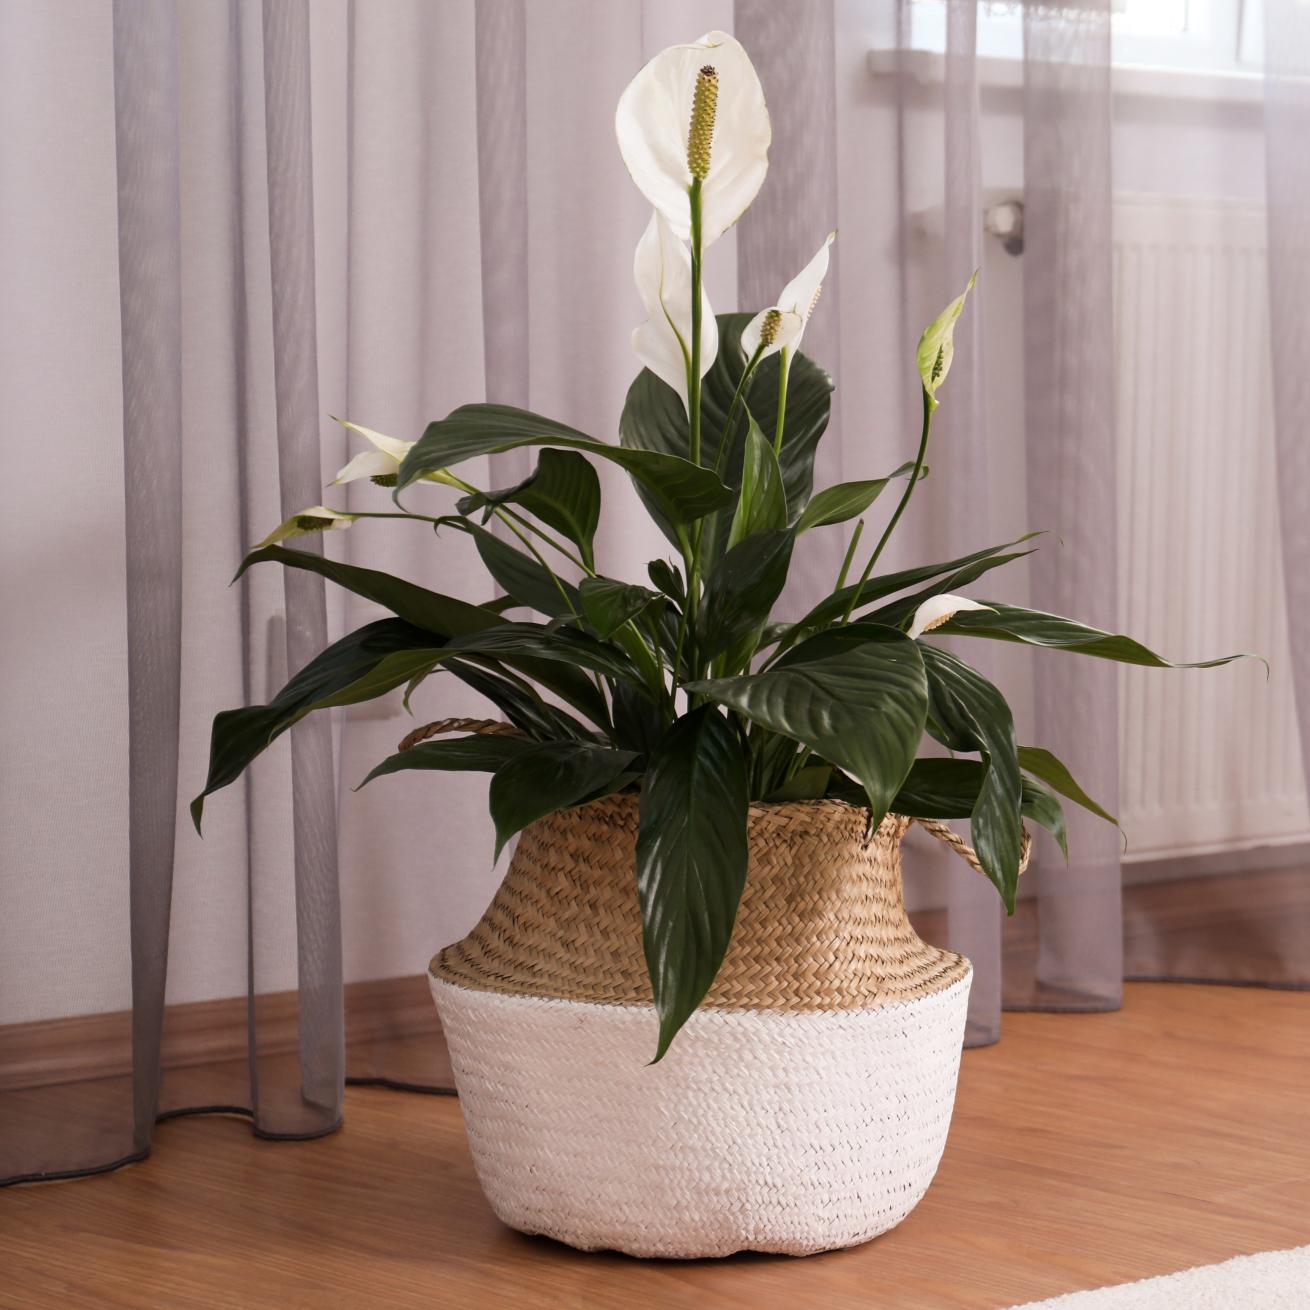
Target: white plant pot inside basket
(792, 1133)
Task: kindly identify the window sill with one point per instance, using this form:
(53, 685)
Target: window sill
(927, 68)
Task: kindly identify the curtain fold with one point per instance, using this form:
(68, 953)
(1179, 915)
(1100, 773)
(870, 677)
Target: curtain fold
(287, 211)
(793, 48)
(1287, 184)
(973, 910)
(149, 200)
(1072, 469)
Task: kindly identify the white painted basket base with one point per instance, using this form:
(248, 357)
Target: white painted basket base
(763, 1131)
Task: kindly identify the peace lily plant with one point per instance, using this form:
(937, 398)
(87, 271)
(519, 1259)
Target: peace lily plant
(684, 687)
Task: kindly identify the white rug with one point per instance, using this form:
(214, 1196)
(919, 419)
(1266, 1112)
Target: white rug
(1273, 1280)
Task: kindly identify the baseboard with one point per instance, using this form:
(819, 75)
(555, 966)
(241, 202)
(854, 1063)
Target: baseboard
(94, 1046)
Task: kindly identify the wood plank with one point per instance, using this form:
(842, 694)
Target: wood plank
(1086, 1150)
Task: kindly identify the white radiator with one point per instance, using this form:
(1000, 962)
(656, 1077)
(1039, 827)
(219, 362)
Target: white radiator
(1211, 760)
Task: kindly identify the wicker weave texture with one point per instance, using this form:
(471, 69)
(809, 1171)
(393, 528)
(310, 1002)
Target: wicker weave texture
(822, 923)
(784, 1132)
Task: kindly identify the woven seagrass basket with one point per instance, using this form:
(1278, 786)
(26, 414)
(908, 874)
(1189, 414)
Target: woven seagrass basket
(803, 1107)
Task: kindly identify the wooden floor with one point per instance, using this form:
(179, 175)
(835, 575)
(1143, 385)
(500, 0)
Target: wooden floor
(1086, 1149)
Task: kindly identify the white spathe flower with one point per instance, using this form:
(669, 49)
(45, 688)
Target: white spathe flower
(937, 610)
(318, 518)
(662, 270)
(795, 305)
(653, 125)
(381, 462)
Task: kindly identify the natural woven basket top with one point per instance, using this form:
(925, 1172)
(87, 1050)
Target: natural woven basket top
(822, 923)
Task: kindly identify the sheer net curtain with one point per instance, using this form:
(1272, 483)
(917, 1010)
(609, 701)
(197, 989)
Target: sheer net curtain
(226, 219)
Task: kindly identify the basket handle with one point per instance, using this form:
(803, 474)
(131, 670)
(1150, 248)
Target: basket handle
(487, 727)
(964, 850)
(497, 728)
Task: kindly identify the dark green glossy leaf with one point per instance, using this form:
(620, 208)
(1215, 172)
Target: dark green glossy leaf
(555, 643)
(810, 784)
(240, 735)
(1034, 628)
(949, 789)
(668, 580)
(550, 776)
(483, 754)
(549, 648)
(524, 578)
(443, 615)
(834, 606)
(898, 612)
(638, 723)
(846, 500)
(973, 711)
(855, 696)
(691, 861)
(654, 418)
(563, 492)
(439, 615)
(518, 701)
(682, 491)
(608, 604)
(742, 588)
(762, 500)
(1042, 764)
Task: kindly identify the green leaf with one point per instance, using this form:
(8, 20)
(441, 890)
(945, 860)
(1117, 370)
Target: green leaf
(887, 584)
(741, 590)
(810, 784)
(1042, 764)
(762, 501)
(856, 696)
(559, 644)
(1042, 806)
(239, 735)
(898, 612)
(439, 614)
(949, 788)
(668, 580)
(976, 717)
(638, 723)
(518, 701)
(608, 604)
(563, 492)
(1034, 628)
(550, 776)
(524, 578)
(691, 861)
(846, 500)
(682, 491)
(937, 345)
(512, 643)
(654, 418)
(479, 753)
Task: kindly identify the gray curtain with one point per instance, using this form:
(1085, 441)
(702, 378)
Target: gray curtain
(282, 211)
(1072, 460)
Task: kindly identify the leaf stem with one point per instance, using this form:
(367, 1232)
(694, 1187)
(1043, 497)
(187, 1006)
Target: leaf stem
(784, 367)
(850, 555)
(737, 395)
(928, 407)
(693, 365)
(692, 550)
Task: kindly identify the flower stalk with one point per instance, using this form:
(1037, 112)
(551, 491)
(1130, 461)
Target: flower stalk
(929, 404)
